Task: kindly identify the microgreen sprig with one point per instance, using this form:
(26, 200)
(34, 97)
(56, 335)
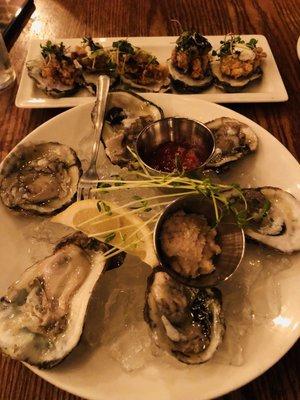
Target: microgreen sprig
(227, 46)
(224, 197)
(51, 48)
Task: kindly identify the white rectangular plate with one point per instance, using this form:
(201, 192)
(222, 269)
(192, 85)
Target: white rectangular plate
(269, 89)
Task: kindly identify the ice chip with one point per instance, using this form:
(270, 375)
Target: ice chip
(264, 297)
(131, 348)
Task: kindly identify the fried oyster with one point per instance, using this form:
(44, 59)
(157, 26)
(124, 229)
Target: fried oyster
(238, 63)
(138, 69)
(56, 73)
(189, 65)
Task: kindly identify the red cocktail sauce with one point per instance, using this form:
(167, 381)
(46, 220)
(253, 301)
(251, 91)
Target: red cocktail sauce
(171, 156)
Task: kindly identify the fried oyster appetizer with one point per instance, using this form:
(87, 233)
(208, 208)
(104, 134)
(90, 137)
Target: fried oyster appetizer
(56, 73)
(189, 65)
(139, 69)
(94, 58)
(238, 63)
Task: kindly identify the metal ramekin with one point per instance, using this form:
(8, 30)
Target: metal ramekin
(173, 129)
(230, 238)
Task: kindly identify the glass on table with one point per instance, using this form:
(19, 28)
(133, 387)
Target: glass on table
(7, 73)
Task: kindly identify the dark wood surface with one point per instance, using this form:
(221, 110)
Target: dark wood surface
(278, 20)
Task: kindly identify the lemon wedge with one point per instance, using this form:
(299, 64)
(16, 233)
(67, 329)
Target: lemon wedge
(113, 224)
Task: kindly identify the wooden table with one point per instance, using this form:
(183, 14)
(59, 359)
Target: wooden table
(278, 20)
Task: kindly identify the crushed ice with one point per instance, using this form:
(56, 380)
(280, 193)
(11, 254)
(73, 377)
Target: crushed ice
(115, 317)
(251, 297)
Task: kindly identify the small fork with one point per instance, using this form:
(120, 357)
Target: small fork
(90, 177)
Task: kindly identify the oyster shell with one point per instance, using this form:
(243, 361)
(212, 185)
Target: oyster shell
(40, 178)
(184, 84)
(273, 217)
(126, 115)
(159, 86)
(233, 140)
(232, 85)
(187, 322)
(42, 314)
(56, 88)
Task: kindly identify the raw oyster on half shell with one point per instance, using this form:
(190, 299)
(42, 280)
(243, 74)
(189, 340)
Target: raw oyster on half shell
(40, 178)
(43, 313)
(126, 115)
(233, 141)
(273, 217)
(186, 322)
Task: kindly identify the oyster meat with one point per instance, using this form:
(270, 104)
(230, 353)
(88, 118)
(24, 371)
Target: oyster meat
(189, 65)
(40, 178)
(55, 73)
(186, 322)
(126, 115)
(42, 314)
(233, 139)
(273, 217)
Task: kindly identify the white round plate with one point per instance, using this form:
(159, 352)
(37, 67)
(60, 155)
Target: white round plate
(298, 47)
(97, 375)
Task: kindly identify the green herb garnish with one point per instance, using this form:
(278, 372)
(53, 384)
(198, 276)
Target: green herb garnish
(190, 41)
(103, 207)
(228, 45)
(252, 43)
(108, 238)
(51, 48)
(123, 46)
(224, 197)
(143, 204)
(92, 45)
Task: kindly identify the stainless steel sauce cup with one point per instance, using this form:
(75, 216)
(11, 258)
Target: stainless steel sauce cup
(174, 129)
(230, 238)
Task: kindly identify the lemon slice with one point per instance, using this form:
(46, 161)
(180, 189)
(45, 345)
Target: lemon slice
(110, 223)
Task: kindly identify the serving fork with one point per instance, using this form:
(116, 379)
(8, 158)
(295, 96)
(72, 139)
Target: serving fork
(90, 177)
